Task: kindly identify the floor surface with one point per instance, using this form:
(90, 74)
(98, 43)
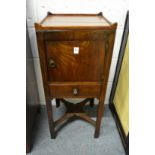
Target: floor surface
(76, 137)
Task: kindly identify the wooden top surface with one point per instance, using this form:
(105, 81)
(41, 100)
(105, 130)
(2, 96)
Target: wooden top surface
(60, 20)
(74, 21)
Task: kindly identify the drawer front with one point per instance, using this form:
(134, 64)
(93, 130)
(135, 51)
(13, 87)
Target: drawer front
(74, 61)
(74, 90)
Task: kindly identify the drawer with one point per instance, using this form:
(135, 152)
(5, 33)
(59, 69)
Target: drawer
(75, 90)
(74, 61)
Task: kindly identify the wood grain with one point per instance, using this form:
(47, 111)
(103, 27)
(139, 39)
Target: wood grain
(70, 66)
(65, 90)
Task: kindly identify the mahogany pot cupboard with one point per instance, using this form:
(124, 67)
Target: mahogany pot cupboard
(75, 55)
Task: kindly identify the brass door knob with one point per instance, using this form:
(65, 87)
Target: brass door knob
(51, 63)
(75, 91)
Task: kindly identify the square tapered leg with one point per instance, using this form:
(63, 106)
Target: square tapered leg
(99, 119)
(50, 118)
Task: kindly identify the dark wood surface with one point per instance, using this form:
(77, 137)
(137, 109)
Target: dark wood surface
(66, 74)
(32, 97)
(66, 90)
(75, 35)
(75, 110)
(124, 138)
(68, 66)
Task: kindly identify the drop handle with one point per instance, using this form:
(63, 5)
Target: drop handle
(75, 91)
(51, 63)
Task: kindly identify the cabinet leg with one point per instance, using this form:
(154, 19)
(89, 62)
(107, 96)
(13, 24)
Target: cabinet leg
(50, 118)
(99, 118)
(57, 103)
(91, 102)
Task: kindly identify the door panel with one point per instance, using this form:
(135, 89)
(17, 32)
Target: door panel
(69, 66)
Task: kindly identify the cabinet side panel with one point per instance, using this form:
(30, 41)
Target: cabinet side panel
(43, 63)
(108, 48)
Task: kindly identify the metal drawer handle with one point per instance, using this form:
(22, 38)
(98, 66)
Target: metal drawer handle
(75, 91)
(51, 63)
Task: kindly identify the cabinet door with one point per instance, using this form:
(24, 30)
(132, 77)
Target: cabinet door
(74, 61)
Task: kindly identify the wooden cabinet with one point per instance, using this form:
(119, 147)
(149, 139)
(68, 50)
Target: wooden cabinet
(75, 55)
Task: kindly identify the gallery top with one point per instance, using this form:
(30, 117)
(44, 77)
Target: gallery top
(74, 21)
